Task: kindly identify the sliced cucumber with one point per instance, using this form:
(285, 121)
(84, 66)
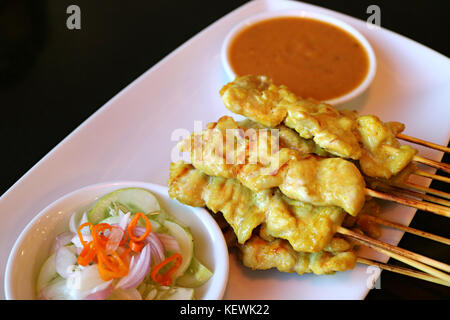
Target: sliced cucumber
(133, 199)
(175, 293)
(116, 219)
(195, 276)
(186, 243)
(111, 220)
(125, 294)
(155, 225)
(58, 290)
(151, 295)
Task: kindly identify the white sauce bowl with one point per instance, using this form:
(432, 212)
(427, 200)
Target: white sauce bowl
(33, 246)
(365, 83)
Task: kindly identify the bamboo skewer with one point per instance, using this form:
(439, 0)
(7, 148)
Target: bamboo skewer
(404, 271)
(403, 252)
(423, 142)
(435, 164)
(420, 195)
(413, 263)
(414, 186)
(402, 192)
(431, 176)
(426, 206)
(423, 196)
(417, 232)
(413, 259)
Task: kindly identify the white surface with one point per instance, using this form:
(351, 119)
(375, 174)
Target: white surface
(267, 15)
(34, 243)
(129, 138)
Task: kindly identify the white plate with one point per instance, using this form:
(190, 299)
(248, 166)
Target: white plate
(130, 138)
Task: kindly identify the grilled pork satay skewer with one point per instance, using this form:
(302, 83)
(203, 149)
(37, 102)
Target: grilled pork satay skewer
(261, 253)
(184, 177)
(246, 210)
(257, 253)
(290, 139)
(308, 178)
(342, 133)
(306, 227)
(338, 133)
(259, 164)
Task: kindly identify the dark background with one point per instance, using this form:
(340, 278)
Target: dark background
(52, 79)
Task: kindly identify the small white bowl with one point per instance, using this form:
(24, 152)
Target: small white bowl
(34, 243)
(312, 15)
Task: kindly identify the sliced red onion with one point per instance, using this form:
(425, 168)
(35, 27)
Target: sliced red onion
(157, 247)
(100, 292)
(169, 242)
(62, 239)
(64, 262)
(139, 267)
(156, 257)
(138, 231)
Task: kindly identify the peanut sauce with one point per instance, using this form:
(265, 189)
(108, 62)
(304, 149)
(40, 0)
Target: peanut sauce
(314, 59)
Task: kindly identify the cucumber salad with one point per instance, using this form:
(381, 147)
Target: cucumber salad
(124, 248)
